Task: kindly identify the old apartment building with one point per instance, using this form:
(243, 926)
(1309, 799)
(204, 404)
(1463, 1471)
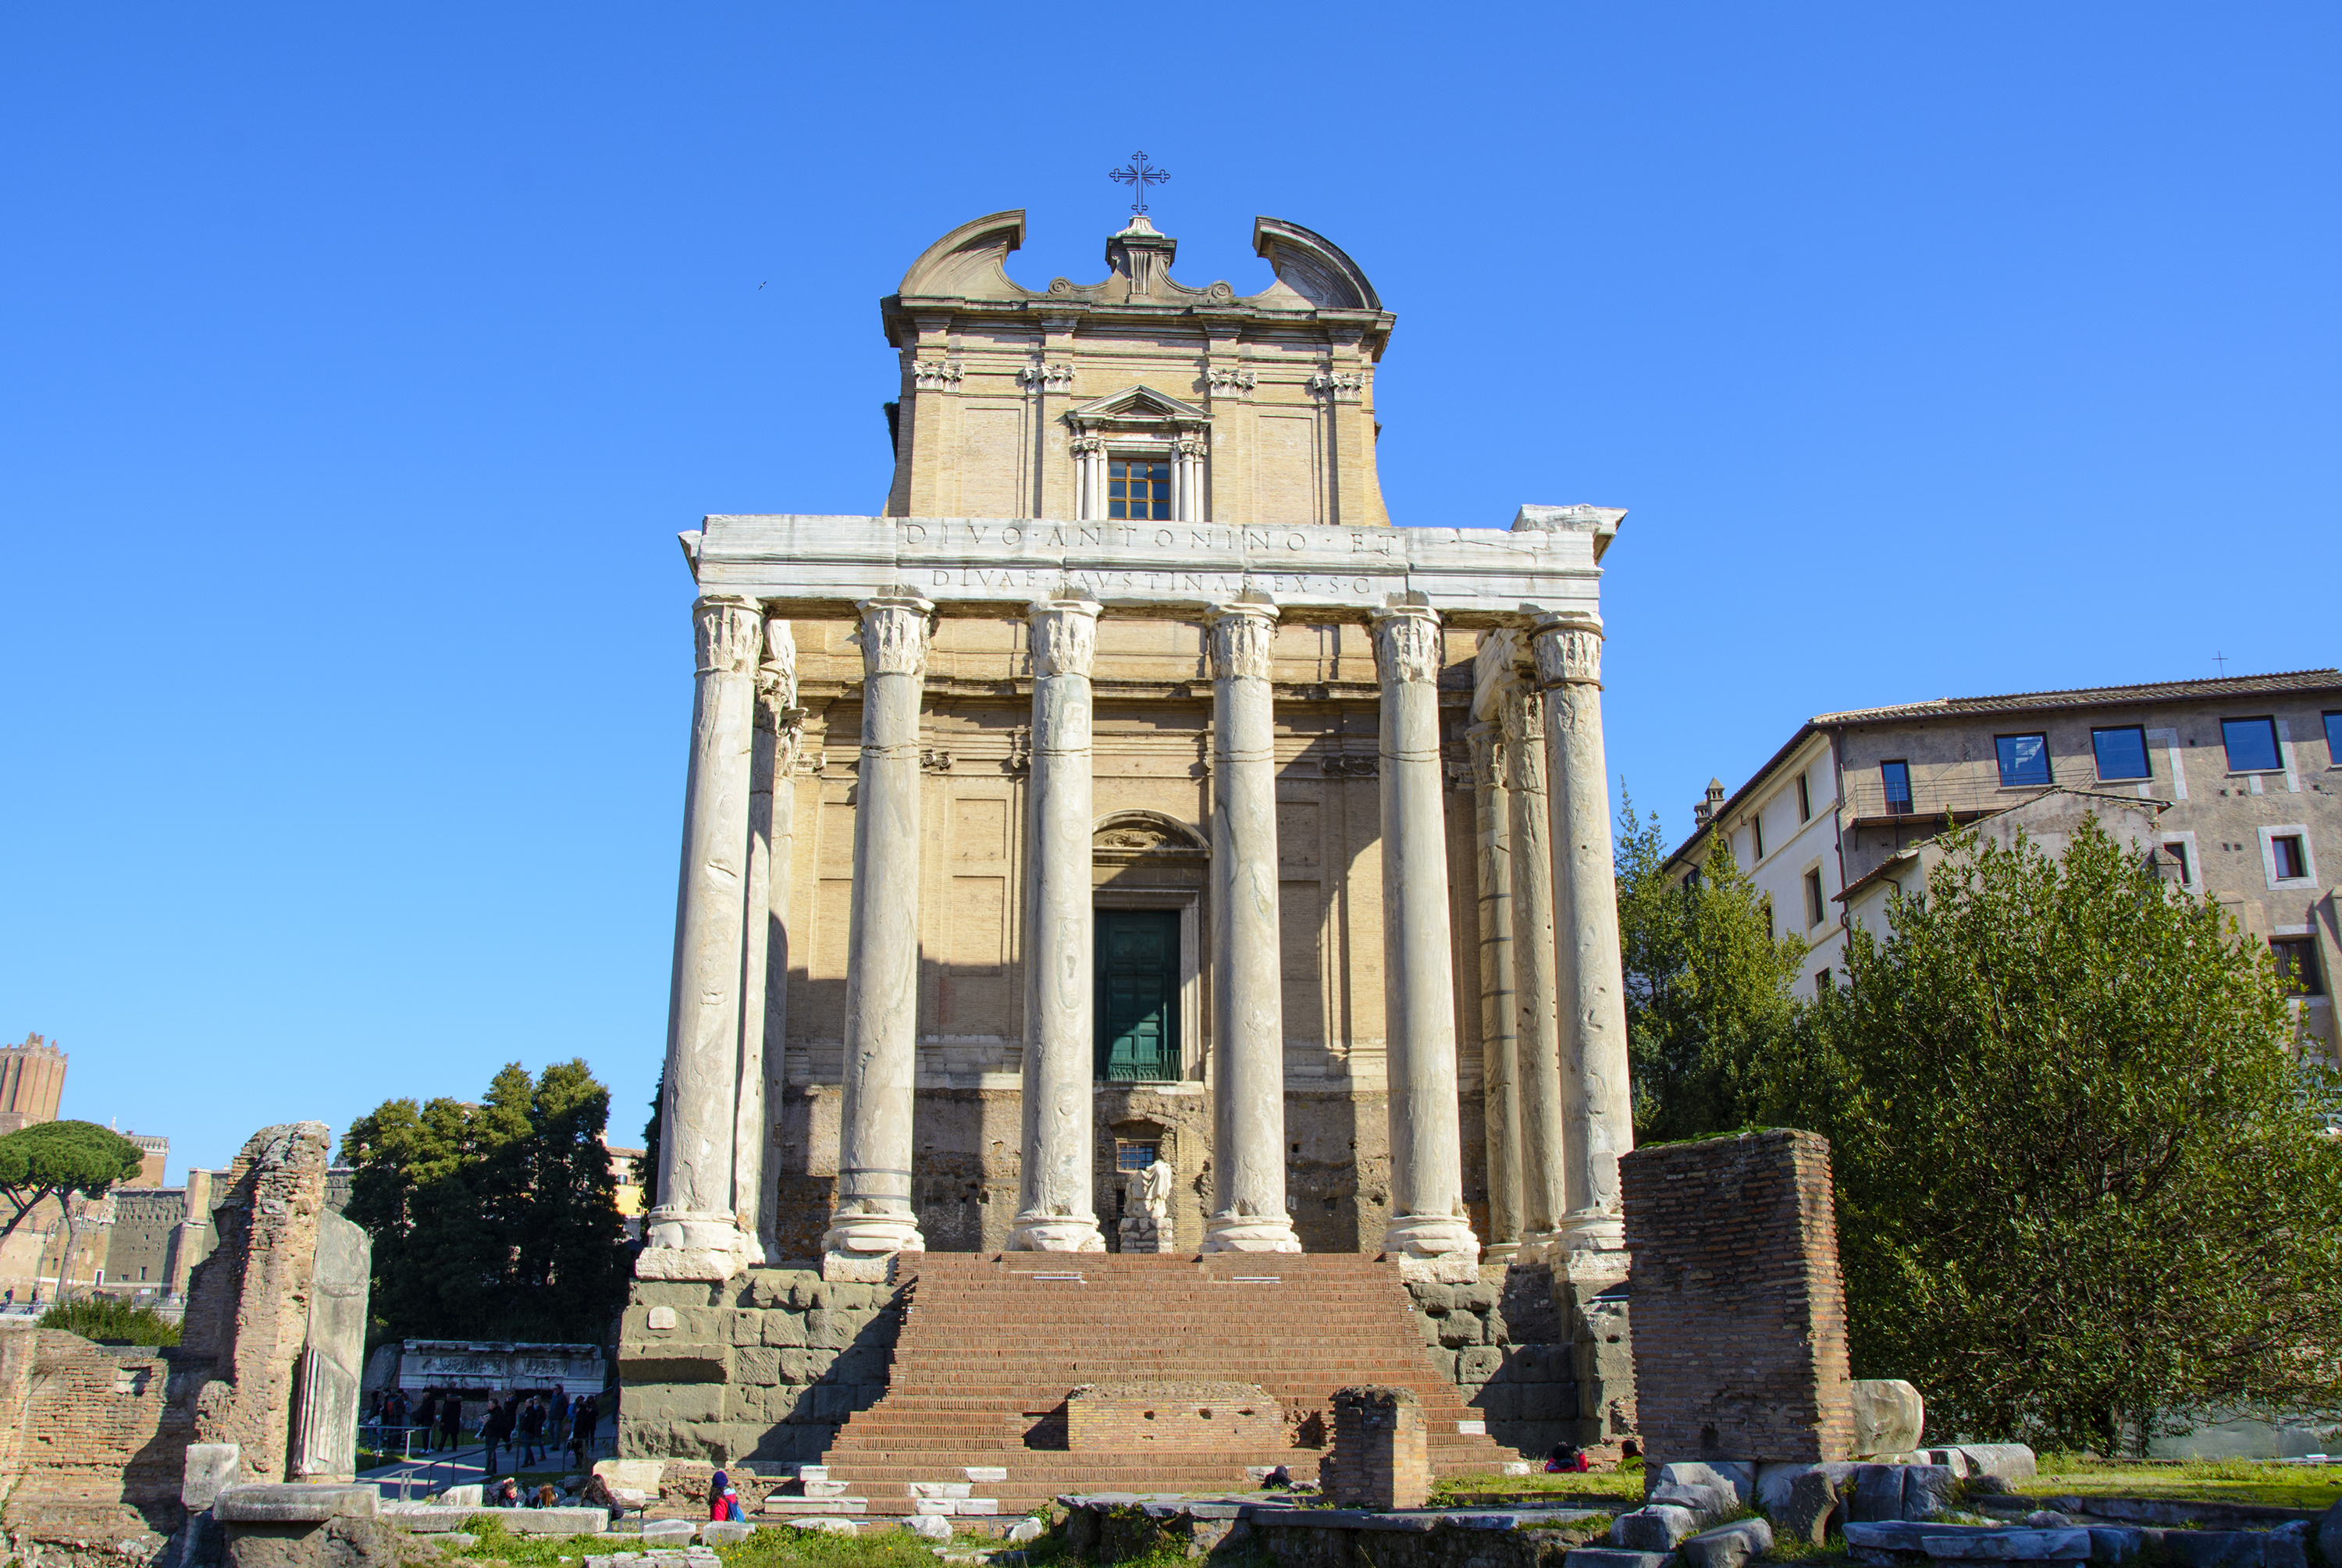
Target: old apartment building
(2245, 770)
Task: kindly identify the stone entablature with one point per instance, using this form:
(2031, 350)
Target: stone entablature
(972, 565)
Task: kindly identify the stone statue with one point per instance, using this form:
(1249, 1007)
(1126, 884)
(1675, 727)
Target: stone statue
(1154, 1186)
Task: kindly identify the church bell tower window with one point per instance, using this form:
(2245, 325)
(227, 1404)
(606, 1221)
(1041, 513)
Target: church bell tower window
(1139, 489)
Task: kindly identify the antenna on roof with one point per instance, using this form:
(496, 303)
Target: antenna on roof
(2221, 660)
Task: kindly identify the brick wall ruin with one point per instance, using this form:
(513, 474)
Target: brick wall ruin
(94, 1438)
(1739, 1343)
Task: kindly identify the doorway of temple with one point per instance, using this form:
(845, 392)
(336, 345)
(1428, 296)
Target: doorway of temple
(1137, 995)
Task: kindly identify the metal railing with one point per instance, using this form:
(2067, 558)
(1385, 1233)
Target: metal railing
(1868, 797)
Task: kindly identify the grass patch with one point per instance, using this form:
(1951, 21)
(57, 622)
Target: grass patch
(110, 1320)
(2208, 1480)
(1597, 1488)
(879, 1545)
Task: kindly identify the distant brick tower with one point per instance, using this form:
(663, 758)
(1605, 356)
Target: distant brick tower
(32, 1081)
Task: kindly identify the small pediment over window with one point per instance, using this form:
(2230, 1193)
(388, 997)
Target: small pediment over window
(1141, 403)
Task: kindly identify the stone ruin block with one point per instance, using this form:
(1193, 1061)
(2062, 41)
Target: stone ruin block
(1190, 1417)
(1382, 1453)
(1739, 1340)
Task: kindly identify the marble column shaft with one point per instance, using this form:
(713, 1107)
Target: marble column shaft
(765, 986)
(696, 1127)
(1536, 983)
(873, 1218)
(1249, 1212)
(1598, 1105)
(1056, 1210)
(1500, 1098)
(1427, 1219)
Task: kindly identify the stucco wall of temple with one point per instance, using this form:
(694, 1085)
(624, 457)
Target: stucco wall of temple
(1152, 799)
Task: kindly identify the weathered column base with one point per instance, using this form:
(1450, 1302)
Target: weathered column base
(1596, 1231)
(1433, 1249)
(1055, 1233)
(685, 1245)
(861, 1248)
(1233, 1233)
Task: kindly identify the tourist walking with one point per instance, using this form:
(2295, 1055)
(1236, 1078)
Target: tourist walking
(558, 1424)
(532, 1433)
(589, 1416)
(497, 1429)
(451, 1423)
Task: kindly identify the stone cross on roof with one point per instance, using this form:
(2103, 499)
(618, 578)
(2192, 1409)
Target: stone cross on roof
(1138, 175)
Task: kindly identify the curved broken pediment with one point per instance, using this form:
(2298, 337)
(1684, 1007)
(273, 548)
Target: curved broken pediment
(1313, 266)
(971, 262)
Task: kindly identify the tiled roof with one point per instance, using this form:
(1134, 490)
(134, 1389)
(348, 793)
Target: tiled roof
(2097, 696)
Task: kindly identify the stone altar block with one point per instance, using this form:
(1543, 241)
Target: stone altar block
(1382, 1454)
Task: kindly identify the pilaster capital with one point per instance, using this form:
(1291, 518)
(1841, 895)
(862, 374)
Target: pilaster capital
(1407, 645)
(1243, 638)
(776, 679)
(1065, 636)
(728, 632)
(1520, 712)
(1568, 649)
(895, 634)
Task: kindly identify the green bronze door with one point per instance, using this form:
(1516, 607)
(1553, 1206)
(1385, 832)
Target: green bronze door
(1137, 995)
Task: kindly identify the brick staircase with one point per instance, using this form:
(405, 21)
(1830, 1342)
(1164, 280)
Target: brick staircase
(992, 1343)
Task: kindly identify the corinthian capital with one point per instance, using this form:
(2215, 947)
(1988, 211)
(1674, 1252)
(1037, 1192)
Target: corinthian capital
(895, 635)
(1407, 645)
(1568, 649)
(729, 632)
(1065, 636)
(1243, 637)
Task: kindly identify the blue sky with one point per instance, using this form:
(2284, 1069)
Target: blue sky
(363, 362)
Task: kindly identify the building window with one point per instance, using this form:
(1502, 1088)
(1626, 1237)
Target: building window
(1131, 1154)
(2024, 760)
(2122, 754)
(2334, 740)
(1897, 778)
(1772, 926)
(2176, 852)
(2296, 965)
(1821, 980)
(2286, 858)
(1139, 489)
(1804, 801)
(1815, 909)
(2252, 746)
(1756, 837)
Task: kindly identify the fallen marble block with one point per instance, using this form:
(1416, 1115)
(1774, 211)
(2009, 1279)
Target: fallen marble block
(1728, 1546)
(1653, 1528)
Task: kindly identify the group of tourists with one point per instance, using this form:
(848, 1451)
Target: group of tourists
(529, 1427)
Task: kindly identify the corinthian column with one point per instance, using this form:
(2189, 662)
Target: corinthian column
(1427, 1230)
(1500, 1100)
(1055, 1211)
(1598, 1105)
(873, 1219)
(693, 1233)
(765, 985)
(1538, 1019)
(1248, 1004)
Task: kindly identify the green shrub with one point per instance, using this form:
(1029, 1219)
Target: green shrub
(109, 1320)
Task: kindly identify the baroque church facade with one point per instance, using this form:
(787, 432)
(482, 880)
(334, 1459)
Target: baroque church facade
(1132, 790)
